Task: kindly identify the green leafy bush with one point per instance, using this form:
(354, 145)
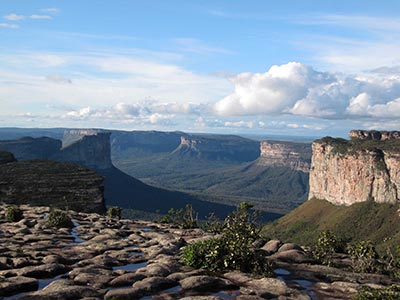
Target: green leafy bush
(14, 213)
(393, 261)
(184, 217)
(327, 244)
(389, 293)
(363, 257)
(213, 224)
(114, 212)
(59, 219)
(233, 250)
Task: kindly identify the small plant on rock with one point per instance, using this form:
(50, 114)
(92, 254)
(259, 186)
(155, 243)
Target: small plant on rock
(363, 257)
(213, 224)
(327, 245)
(233, 250)
(59, 219)
(14, 213)
(114, 212)
(388, 293)
(184, 217)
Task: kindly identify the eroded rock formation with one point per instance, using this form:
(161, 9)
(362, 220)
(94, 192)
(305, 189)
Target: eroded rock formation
(296, 156)
(51, 183)
(346, 172)
(374, 135)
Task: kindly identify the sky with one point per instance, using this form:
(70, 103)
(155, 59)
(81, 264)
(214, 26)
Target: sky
(300, 68)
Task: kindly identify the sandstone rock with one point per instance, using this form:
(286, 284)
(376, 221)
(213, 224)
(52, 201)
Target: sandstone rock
(268, 287)
(63, 289)
(151, 285)
(272, 246)
(289, 246)
(294, 256)
(19, 284)
(123, 294)
(202, 298)
(205, 283)
(41, 271)
(126, 279)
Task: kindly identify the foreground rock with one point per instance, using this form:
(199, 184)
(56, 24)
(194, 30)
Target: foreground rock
(109, 259)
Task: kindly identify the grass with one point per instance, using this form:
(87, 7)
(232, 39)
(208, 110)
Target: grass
(362, 221)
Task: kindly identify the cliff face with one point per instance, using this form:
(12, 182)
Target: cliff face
(347, 172)
(53, 184)
(91, 150)
(218, 147)
(31, 148)
(374, 135)
(296, 156)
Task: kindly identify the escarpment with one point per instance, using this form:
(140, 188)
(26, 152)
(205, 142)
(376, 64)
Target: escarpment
(362, 169)
(44, 182)
(31, 148)
(218, 147)
(296, 156)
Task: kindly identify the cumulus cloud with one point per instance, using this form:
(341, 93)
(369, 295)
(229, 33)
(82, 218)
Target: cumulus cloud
(240, 124)
(41, 17)
(50, 10)
(298, 89)
(8, 25)
(14, 17)
(58, 79)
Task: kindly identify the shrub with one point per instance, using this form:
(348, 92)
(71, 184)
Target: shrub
(114, 212)
(393, 261)
(327, 245)
(14, 213)
(184, 217)
(213, 224)
(59, 219)
(233, 250)
(363, 257)
(388, 293)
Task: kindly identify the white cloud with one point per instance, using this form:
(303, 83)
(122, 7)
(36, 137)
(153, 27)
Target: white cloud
(240, 124)
(14, 17)
(50, 10)
(41, 17)
(297, 89)
(58, 78)
(8, 25)
(199, 47)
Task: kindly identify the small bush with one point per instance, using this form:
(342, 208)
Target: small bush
(363, 257)
(114, 212)
(59, 219)
(327, 245)
(233, 250)
(388, 293)
(213, 224)
(184, 217)
(14, 213)
(392, 261)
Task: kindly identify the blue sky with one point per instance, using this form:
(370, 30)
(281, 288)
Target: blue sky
(308, 68)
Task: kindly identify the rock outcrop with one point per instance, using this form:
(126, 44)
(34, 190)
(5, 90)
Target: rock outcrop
(374, 135)
(32, 148)
(346, 172)
(90, 148)
(218, 147)
(51, 183)
(296, 156)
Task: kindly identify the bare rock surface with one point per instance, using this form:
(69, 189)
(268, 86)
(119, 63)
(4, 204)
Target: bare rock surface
(103, 258)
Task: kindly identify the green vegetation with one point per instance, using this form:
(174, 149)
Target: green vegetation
(14, 213)
(114, 212)
(213, 224)
(59, 219)
(352, 146)
(327, 244)
(185, 217)
(378, 223)
(363, 257)
(388, 293)
(233, 250)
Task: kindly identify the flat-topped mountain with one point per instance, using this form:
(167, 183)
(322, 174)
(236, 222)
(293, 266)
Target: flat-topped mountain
(346, 172)
(296, 156)
(217, 147)
(44, 182)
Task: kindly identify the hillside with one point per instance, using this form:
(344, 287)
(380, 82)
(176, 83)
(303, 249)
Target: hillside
(361, 221)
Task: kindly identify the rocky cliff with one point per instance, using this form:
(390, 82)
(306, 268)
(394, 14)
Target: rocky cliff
(218, 147)
(31, 148)
(6, 157)
(374, 135)
(296, 156)
(89, 148)
(346, 172)
(44, 182)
